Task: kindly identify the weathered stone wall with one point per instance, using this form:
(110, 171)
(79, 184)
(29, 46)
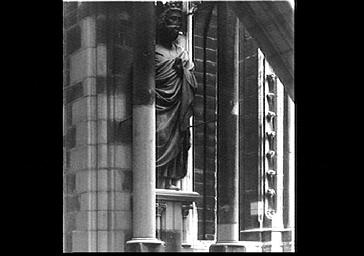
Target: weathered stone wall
(97, 141)
(248, 134)
(205, 139)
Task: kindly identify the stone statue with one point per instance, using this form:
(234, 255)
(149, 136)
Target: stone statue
(175, 89)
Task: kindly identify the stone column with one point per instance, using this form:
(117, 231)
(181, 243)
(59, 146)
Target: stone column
(291, 168)
(144, 199)
(228, 147)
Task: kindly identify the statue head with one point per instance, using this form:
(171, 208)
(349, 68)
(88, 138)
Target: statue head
(169, 21)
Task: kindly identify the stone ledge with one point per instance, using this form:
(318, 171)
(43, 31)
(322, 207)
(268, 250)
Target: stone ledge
(174, 195)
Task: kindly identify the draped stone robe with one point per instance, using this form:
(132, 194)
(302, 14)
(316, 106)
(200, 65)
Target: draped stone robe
(174, 96)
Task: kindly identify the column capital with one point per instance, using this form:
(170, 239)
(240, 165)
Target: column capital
(186, 209)
(160, 208)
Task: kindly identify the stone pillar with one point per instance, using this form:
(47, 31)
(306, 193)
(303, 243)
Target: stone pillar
(228, 112)
(144, 199)
(291, 168)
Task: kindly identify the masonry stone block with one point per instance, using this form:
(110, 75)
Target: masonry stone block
(70, 138)
(210, 78)
(72, 203)
(198, 157)
(123, 220)
(210, 102)
(88, 32)
(101, 200)
(68, 115)
(199, 76)
(101, 63)
(82, 64)
(73, 39)
(199, 188)
(83, 157)
(103, 155)
(86, 220)
(102, 132)
(103, 220)
(123, 156)
(198, 177)
(70, 182)
(211, 43)
(117, 156)
(211, 67)
(86, 181)
(111, 241)
(102, 106)
(121, 108)
(123, 131)
(74, 93)
(101, 28)
(100, 180)
(89, 86)
(84, 241)
(210, 53)
(101, 84)
(67, 242)
(110, 180)
(85, 133)
(127, 181)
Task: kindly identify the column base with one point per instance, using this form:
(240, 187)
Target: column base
(227, 247)
(270, 239)
(144, 245)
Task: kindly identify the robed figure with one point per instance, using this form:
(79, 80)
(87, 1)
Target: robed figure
(175, 89)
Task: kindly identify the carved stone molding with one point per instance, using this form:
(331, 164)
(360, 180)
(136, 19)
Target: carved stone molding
(160, 208)
(270, 154)
(270, 115)
(271, 78)
(186, 209)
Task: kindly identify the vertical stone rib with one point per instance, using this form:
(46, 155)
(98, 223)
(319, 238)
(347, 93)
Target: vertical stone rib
(291, 167)
(143, 122)
(228, 102)
(228, 133)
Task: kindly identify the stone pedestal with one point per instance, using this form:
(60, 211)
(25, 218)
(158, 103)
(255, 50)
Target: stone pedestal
(227, 247)
(270, 239)
(173, 208)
